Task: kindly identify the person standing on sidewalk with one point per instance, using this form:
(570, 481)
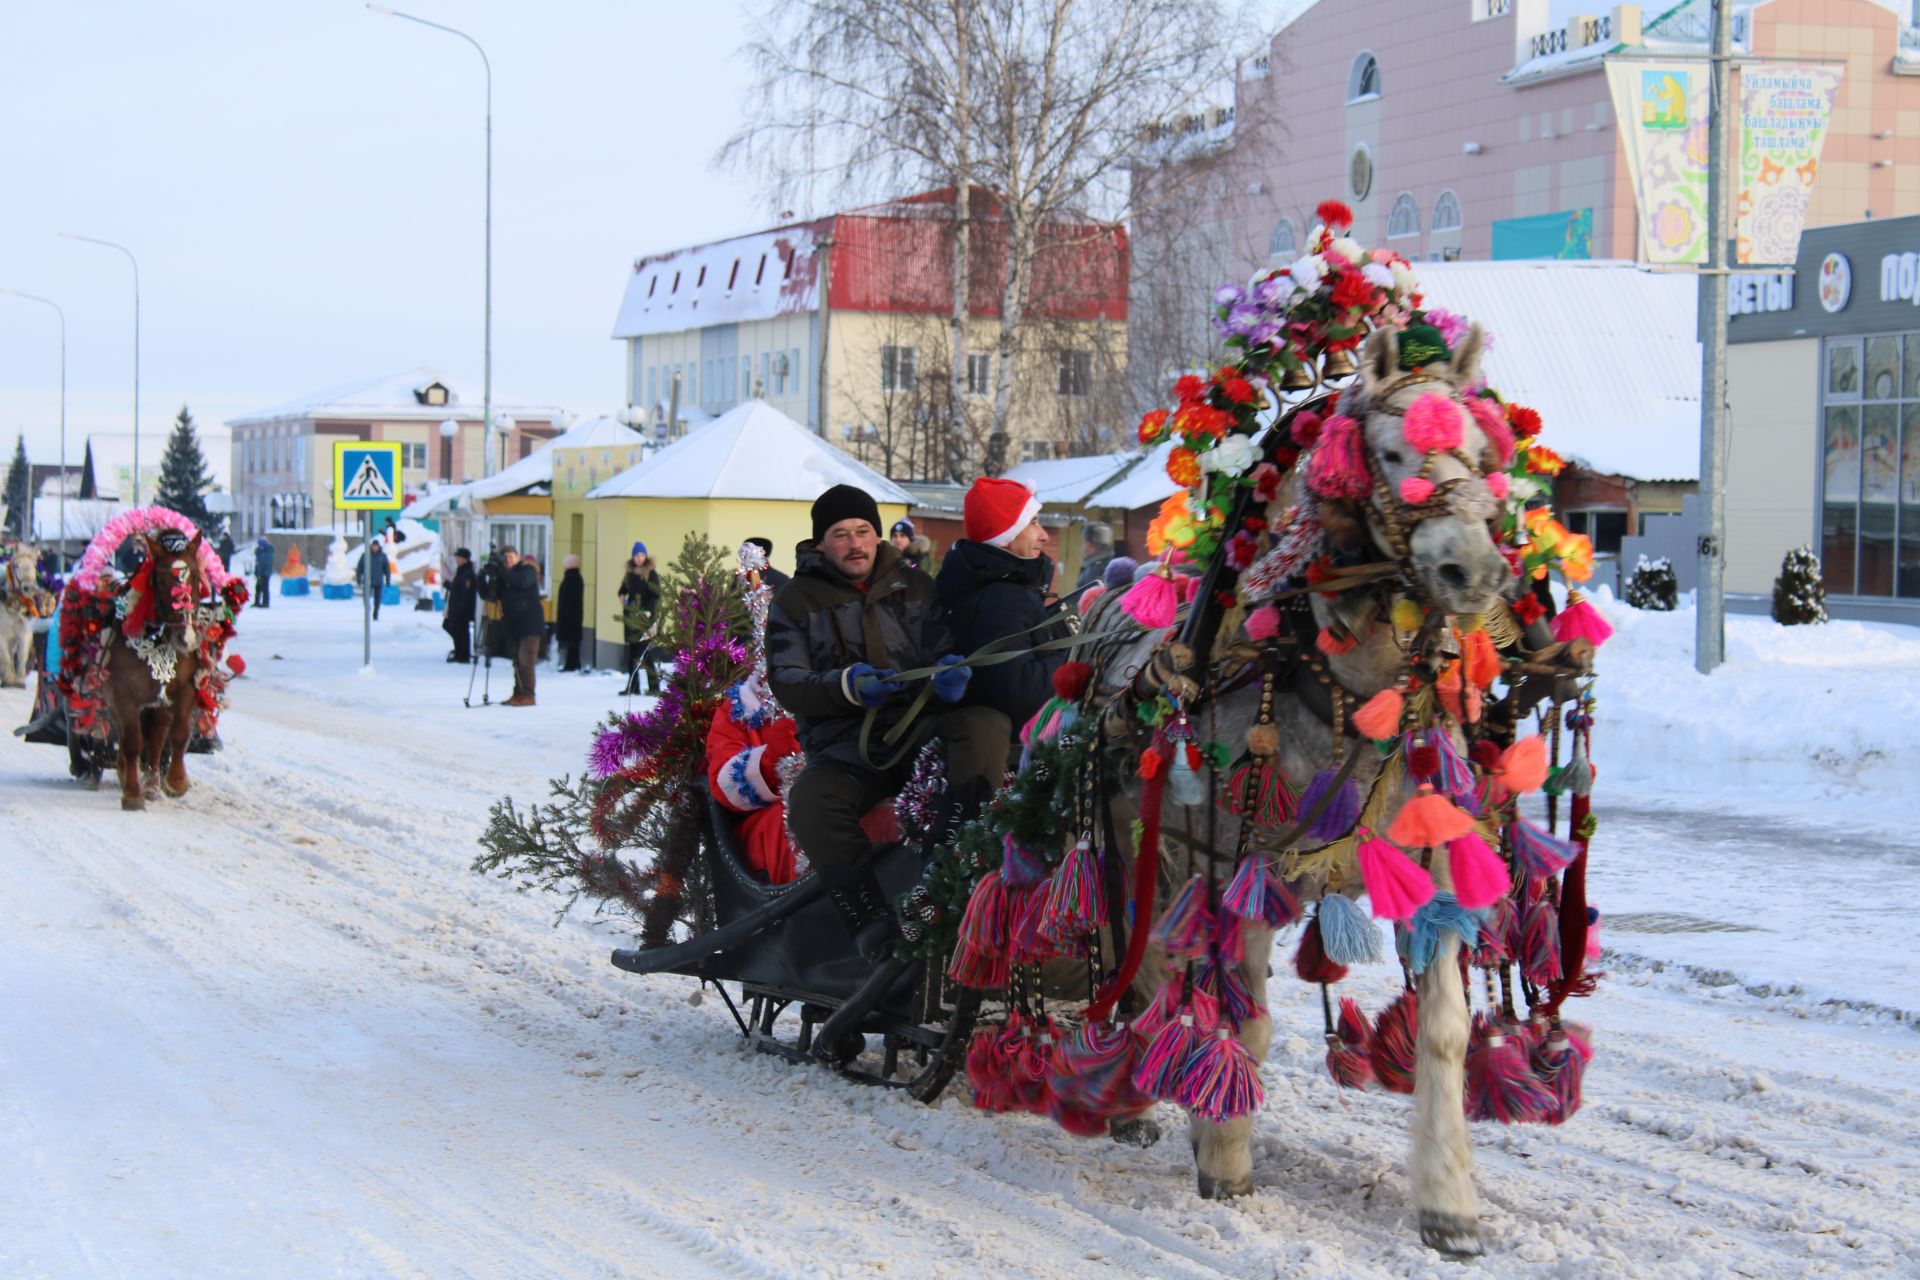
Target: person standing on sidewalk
(526, 623)
(569, 613)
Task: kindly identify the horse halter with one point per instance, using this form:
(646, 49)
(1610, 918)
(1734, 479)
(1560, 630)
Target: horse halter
(1398, 517)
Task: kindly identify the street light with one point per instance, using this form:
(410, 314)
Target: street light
(34, 297)
(69, 235)
(486, 392)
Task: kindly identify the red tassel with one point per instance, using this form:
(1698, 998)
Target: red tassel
(1310, 958)
(1347, 1059)
(1501, 1085)
(1393, 1047)
(987, 1071)
(1070, 680)
(1581, 621)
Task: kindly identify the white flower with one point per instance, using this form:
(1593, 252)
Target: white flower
(1378, 274)
(1349, 248)
(1520, 488)
(1404, 281)
(1307, 273)
(1232, 455)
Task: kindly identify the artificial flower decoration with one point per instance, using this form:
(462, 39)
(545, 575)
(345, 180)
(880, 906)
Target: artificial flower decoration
(1542, 461)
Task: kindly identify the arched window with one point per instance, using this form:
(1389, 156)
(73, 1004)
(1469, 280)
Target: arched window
(1404, 218)
(1446, 212)
(1363, 82)
(1282, 244)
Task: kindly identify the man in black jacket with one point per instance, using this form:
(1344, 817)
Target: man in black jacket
(462, 589)
(851, 618)
(993, 584)
(526, 622)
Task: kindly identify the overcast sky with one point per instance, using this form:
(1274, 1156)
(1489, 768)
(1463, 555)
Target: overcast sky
(302, 181)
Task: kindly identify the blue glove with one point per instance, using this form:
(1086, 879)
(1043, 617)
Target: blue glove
(870, 687)
(950, 678)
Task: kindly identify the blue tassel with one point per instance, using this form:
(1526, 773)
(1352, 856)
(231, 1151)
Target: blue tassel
(1455, 778)
(1342, 811)
(1346, 933)
(1441, 914)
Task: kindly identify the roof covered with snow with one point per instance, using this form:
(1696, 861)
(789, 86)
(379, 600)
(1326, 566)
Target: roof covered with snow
(750, 277)
(396, 396)
(1071, 481)
(537, 467)
(1605, 351)
(1144, 483)
(750, 451)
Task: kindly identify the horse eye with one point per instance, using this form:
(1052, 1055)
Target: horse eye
(1393, 457)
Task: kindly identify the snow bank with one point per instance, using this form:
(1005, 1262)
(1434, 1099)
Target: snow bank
(1796, 714)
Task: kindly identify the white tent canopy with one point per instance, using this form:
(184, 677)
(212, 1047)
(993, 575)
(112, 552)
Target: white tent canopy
(752, 451)
(537, 467)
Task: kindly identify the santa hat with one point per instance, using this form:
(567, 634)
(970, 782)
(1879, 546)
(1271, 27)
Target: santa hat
(998, 509)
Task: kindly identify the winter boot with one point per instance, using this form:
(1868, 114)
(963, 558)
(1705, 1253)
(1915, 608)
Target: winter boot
(856, 895)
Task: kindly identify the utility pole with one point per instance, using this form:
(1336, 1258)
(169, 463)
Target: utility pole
(1710, 638)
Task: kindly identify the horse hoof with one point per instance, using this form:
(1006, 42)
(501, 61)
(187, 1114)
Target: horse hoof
(1212, 1188)
(133, 802)
(175, 790)
(1450, 1233)
(1143, 1131)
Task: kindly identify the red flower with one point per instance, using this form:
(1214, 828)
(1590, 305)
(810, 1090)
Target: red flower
(1285, 456)
(1152, 425)
(1188, 388)
(1524, 421)
(1237, 390)
(1254, 524)
(1241, 550)
(1266, 482)
(1306, 428)
(1352, 290)
(1334, 214)
(1528, 609)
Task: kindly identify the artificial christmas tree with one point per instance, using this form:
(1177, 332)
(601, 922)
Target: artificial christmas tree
(1653, 586)
(184, 478)
(1799, 597)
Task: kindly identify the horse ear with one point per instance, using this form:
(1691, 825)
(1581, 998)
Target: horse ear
(1463, 366)
(193, 548)
(1380, 360)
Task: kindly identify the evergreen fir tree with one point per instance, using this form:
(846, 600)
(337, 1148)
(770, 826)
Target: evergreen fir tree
(1799, 597)
(19, 495)
(1653, 586)
(184, 478)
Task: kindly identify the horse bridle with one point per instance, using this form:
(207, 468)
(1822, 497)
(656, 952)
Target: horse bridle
(1399, 518)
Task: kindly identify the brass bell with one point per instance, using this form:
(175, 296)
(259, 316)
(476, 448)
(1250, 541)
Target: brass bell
(1296, 379)
(1338, 364)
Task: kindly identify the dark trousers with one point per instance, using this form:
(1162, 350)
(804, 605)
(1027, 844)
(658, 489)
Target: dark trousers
(830, 796)
(462, 633)
(570, 655)
(526, 653)
(262, 590)
(640, 654)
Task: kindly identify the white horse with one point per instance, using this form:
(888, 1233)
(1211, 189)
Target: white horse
(24, 602)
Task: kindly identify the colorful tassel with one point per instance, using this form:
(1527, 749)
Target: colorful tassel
(1433, 423)
(1396, 886)
(1076, 903)
(1027, 943)
(1338, 466)
(987, 1071)
(1423, 758)
(1393, 1046)
(1159, 1071)
(1379, 716)
(1497, 930)
(1581, 621)
(1523, 766)
(1274, 802)
(1020, 866)
(1162, 1009)
(1501, 1085)
(1453, 776)
(1480, 877)
(987, 920)
(1342, 807)
(1347, 934)
(1235, 998)
(1348, 1061)
(1094, 1080)
(1415, 490)
(1310, 958)
(1153, 601)
(1442, 915)
(1221, 1081)
(1428, 820)
(1541, 959)
(1263, 624)
(1187, 927)
(1560, 1068)
(1480, 659)
(1257, 894)
(1030, 1057)
(1537, 852)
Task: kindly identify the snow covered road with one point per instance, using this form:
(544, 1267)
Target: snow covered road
(277, 1028)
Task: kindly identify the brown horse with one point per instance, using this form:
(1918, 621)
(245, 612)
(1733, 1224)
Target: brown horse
(150, 690)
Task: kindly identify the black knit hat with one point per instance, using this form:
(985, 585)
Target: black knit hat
(843, 502)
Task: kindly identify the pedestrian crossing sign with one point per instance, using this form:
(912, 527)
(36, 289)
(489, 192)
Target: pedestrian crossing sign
(366, 475)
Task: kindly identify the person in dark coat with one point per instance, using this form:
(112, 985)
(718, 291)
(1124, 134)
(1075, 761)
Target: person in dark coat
(569, 613)
(463, 590)
(262, 573)
(770, 575)
(993, 584)
(226, 550)
(854, 615)
(639, 602)
(374, 571)
(1096, 553)
(901, 536)
(526, 622)
(492, 584)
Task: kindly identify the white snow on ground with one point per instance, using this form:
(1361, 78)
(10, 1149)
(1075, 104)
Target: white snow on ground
(276, 1028)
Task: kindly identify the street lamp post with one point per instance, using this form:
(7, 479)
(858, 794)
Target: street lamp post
(486, 392)
(69, 235)
(34, 297)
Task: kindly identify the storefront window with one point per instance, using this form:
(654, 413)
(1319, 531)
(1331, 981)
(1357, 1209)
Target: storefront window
(1840, 494)
(1879, 458)
(1909, 569)
(1883, 369)
(1843, 371)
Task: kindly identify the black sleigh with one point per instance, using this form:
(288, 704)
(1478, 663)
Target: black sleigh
(803, 993)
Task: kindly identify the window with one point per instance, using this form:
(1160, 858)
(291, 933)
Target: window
(766, 374)
(1038, 450)
(1606, 528)
(1281, 244)
(1870, 467)
(653, 387)
(1076, 373)
(733, 276)
(676, 283)
(414, 455)
(746, 377)
(653, 284)
(1446, 212)
(1363, 81)
(761, 272)
(1404, 219)
(899, 368)
(702, 277)
(793, 368)
(979, 373)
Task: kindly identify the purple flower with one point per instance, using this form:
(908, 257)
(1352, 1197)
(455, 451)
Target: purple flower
(1227, 295)
(1243, 318)
(1263, 334)
(1272, 290)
